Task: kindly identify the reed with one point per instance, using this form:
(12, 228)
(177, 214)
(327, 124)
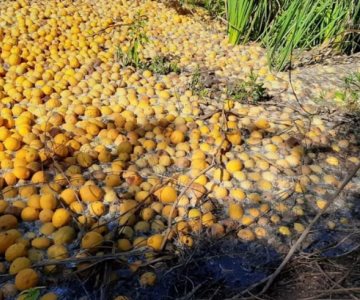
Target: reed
(284, 25)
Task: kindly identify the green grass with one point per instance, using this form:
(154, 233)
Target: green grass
(285, 25)
(137, 39)
(304, 25)
(352, 82)
(32, 294)
(197, 85)
(348, 97)
(214, 7)
(250, 91)
(352, 92)
(163, 65)
(131, 56)
(249, 19)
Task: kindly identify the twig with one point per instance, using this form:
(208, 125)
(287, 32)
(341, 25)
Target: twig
(105, 281)
(136, 208)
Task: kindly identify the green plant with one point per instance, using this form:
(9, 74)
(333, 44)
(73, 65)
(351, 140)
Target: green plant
(320, 98)
(305, 25)
(214, 7)
(250, 91)
(352, 82)
(197, 85)
(351, 42)
(349, 97)
(352, 91)
(285, 25)
(32, 294)
(137, 39)
(249, 19)
(163, 65)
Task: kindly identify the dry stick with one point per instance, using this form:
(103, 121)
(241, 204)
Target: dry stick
(295, 247)
(192, 292)
(307, 113)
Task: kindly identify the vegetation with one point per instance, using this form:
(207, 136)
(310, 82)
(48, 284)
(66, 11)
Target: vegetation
(250, 91)
(350, 96)
(308, 24)
(197, 85)
(248, 20)
(31, 294)
(285, 25)
(130, 55)
(214, 7)
(163, 65)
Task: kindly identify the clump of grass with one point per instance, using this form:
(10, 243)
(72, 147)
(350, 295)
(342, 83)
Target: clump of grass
(137, 39)
(352, 82)
(197, 84)
(285, 25)
(32, 294)
(305, 25)
(131, 56)
(250, 91)
(351, 94)
(351, 41)
(249, 19)
(163, 65)
(214, 7)
(320, 98)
